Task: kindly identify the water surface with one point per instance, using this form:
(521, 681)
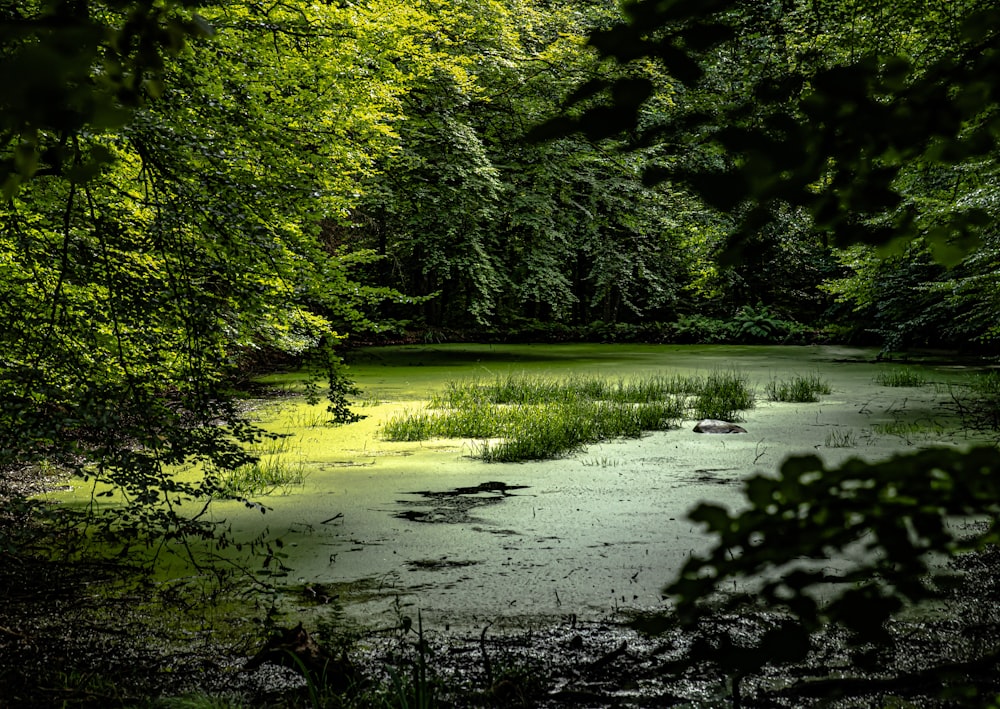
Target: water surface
(391, 528)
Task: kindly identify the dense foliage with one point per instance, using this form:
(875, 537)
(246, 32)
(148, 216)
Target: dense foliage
(148, 262)
(881, 128)
(872, 126)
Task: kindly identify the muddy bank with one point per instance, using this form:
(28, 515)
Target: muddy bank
(68, 651)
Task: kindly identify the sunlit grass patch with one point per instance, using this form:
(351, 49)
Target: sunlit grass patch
(900, 377)
(266, 476)
(799, 389)
(535, 418)
(723, 396)
(410, 426)
(274, 444)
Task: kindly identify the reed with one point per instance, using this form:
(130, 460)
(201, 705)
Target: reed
(265, 476)
(798, 389)
(516, 418)
(900, 377)
(272, 444)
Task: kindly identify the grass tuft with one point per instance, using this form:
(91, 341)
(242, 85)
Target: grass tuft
(517, 418)
(799, 389)
(842, 439)
(900, 378)
(265, 476)
(723, 395)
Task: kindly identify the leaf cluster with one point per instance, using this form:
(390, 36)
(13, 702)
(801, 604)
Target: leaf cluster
(830, 129)
(881, 524)
(70, 67)
(145, 266)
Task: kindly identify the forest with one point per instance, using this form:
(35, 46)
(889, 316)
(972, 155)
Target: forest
(196, 192)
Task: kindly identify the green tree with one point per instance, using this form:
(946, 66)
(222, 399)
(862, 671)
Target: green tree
(145, 262)
(863, 127)
(73, 66)
(502, 231)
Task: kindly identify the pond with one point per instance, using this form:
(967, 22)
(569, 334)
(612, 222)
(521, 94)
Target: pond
(379, 529)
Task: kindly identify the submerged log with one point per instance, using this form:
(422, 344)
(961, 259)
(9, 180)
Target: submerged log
(716, 426)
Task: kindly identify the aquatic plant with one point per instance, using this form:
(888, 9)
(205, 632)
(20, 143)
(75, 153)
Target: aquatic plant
(409, 426)
(420, 689)
(723, 395)
(841, 439)
(799, 389)
(371, 400)
(273, 444)
(900, 377)
(520, 417)
(265, 476)
(307, 417)
(910, 430)
(602, 462)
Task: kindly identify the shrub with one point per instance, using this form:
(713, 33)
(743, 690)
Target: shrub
(701, 329)
(761, 324)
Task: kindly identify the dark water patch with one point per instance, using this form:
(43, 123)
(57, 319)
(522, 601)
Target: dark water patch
(455, 506)
(348, 464)
(439, 564)
(711, 476)
(501, 532)
(340, 593)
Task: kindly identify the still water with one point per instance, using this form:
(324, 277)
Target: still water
(381, 528)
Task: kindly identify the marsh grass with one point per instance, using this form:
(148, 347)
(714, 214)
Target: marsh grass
(798, 389)
(515, 418)
(307, 417)
(265, 476)
(899, 377)
(978, 402)
(274, 444)
(910, 431)
(723, 395)
(602, 462)
(841, 438)
(371, 400)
